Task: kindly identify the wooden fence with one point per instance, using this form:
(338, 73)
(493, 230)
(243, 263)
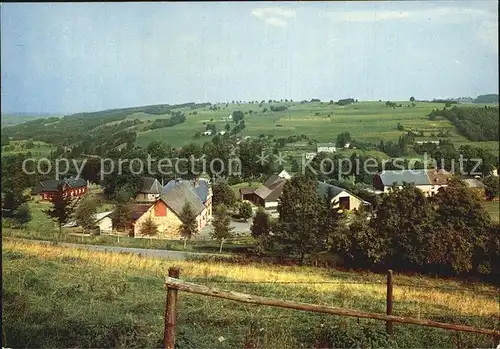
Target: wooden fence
(174, 284)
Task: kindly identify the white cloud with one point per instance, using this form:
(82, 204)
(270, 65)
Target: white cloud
(441, 14)
(274, 16)
(365, 16)
(275, 21)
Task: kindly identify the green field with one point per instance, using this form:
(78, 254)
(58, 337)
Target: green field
(41, 223)
(365, 121)
(40, 149)
(66, 298)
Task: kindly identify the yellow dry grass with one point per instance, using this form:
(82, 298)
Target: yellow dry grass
(320, 282)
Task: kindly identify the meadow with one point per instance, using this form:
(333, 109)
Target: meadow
(365, 121)
(63, 297)
(40, 149)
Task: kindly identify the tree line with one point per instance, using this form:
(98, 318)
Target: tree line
(448, 234)
(477, 124)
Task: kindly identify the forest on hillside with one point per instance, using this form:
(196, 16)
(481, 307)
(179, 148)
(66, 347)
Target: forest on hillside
(490, 98)
(477, 124)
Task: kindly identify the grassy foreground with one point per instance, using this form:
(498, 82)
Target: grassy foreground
(62, 297)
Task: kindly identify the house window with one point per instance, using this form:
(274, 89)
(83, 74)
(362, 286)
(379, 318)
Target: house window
(344, 203)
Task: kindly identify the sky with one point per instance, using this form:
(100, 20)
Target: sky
(77, 57)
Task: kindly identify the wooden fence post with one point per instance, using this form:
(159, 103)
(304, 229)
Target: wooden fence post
(169, 331)
(388, 324)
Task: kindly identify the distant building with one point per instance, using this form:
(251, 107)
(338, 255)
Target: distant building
(149, 191)
(222, 133)
(310, 156)
(284, 174)
(429, 181)
(428, 142)
(102, 220)
(476, 186)
(267, 194)
(207, 133)
(341, 197)
(73, 187)
(326, 148)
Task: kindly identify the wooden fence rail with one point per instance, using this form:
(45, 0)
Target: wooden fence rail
(173, 285)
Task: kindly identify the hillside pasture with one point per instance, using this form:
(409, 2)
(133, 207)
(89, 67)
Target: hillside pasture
(365, 121)
(40, 149)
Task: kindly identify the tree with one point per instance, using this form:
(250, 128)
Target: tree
(295, 167)
(159, 149)
(405, 220)
(359, 245)
(342, 139)
(333, 220)
(238, 116)
(12, 200)
(227, 127)
(487, 256)
(245, 210)
(462, 227)
(149, 228)
(223, 194)
(492, 187)
(412, 99)
(62, 207)
(22, 214)
(221, 225)
(85, 213)
(189, 226)
(121, 216)
(261, 225)
(299, 208)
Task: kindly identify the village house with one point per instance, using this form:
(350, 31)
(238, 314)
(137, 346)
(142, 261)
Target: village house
(310, 156)
(73, 187)
(200, 187)
(429, 181)
(149, 190)
(475, 185)
(341, 197)
(103, 222)
(427, 142)
(326, 148)
(268, 193)
(167, 209)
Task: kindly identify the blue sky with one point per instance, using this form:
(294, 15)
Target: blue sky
(73, 57)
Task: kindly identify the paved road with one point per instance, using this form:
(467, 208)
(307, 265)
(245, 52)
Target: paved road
(239, 227)
(149, 253)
